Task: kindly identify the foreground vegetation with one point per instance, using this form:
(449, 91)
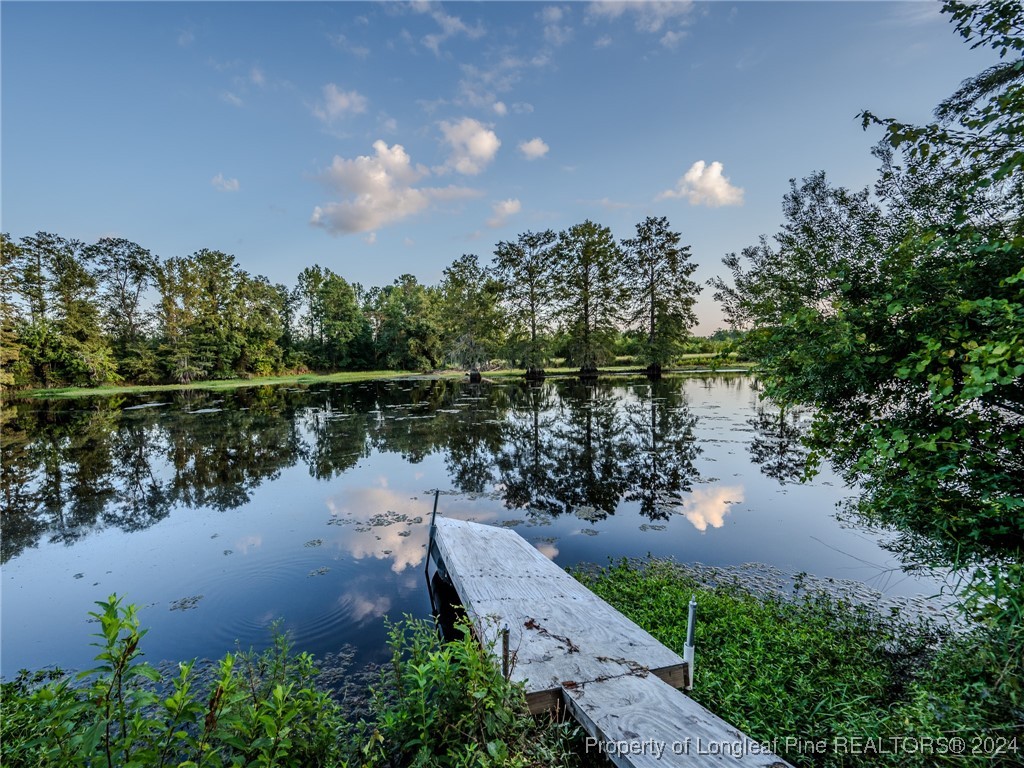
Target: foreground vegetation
(435, 706)
(825, 682)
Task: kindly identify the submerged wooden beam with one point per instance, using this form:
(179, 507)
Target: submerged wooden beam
(570, 648)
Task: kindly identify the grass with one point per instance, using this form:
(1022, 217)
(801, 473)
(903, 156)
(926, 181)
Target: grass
(342, 377)
(828, 683)
(688, 363)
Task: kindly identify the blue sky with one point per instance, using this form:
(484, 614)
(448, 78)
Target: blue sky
(383, 138)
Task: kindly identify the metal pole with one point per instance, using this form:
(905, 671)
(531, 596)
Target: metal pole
(430, 539)
(504, 652)
(691, 627)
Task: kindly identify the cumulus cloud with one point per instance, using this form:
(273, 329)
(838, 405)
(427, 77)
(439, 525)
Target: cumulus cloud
(232, 99)
(603, 41)
(502, 210)
(500, 108)
(223, 184)
(648, 16)
(534, 148)
(473, 145)
(186, 37)
(705, 185)
(257, 77)
(381, 190)
(338, 103)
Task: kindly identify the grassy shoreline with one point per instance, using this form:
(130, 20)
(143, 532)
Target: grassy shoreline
(826, 681)
(341, 377)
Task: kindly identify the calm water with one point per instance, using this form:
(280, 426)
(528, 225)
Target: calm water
(219, 513)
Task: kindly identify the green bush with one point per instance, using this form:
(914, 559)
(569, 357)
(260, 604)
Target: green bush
(258, 710)
(447, 704)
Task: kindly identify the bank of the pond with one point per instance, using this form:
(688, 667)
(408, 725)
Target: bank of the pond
(342, 377)
(352, 377)
(826, 680)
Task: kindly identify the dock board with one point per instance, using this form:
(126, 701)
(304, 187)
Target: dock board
(570, 647)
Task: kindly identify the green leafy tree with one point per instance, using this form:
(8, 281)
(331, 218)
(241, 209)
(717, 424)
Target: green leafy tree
(523, 270)
(65, 342)
(657, 277)
(174, 314)
(125, 272)
(333, 322)
(470, 316)
(407, 332)
(10, 312)
(902, 324)
(589, 292)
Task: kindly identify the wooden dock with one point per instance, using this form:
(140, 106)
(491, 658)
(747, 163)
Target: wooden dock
(570, 648)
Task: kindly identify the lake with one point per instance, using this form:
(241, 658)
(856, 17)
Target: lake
(220, 512)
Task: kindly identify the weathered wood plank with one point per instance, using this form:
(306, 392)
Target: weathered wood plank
(641, 722)
(558, 629)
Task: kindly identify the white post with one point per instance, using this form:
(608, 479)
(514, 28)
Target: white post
(691, 627)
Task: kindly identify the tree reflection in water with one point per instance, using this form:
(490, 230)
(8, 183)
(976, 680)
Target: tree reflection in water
(777, 448)
(559, 447)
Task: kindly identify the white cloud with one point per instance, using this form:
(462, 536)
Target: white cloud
(705, 185)
(648, 16)
(555, 33)
(382, 191)
(534, 148)
(450, 26)
(257, 77)
(338, 103)
(552, 14)
(499, 108)
(671, 38)
(342, 43)
(603, 41)
(225, 185)
(473, 145)
(186, 37)
(502, 210)
(370, 239)
(232, 99)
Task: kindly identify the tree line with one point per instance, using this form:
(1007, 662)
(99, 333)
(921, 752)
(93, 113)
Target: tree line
(81, 315)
